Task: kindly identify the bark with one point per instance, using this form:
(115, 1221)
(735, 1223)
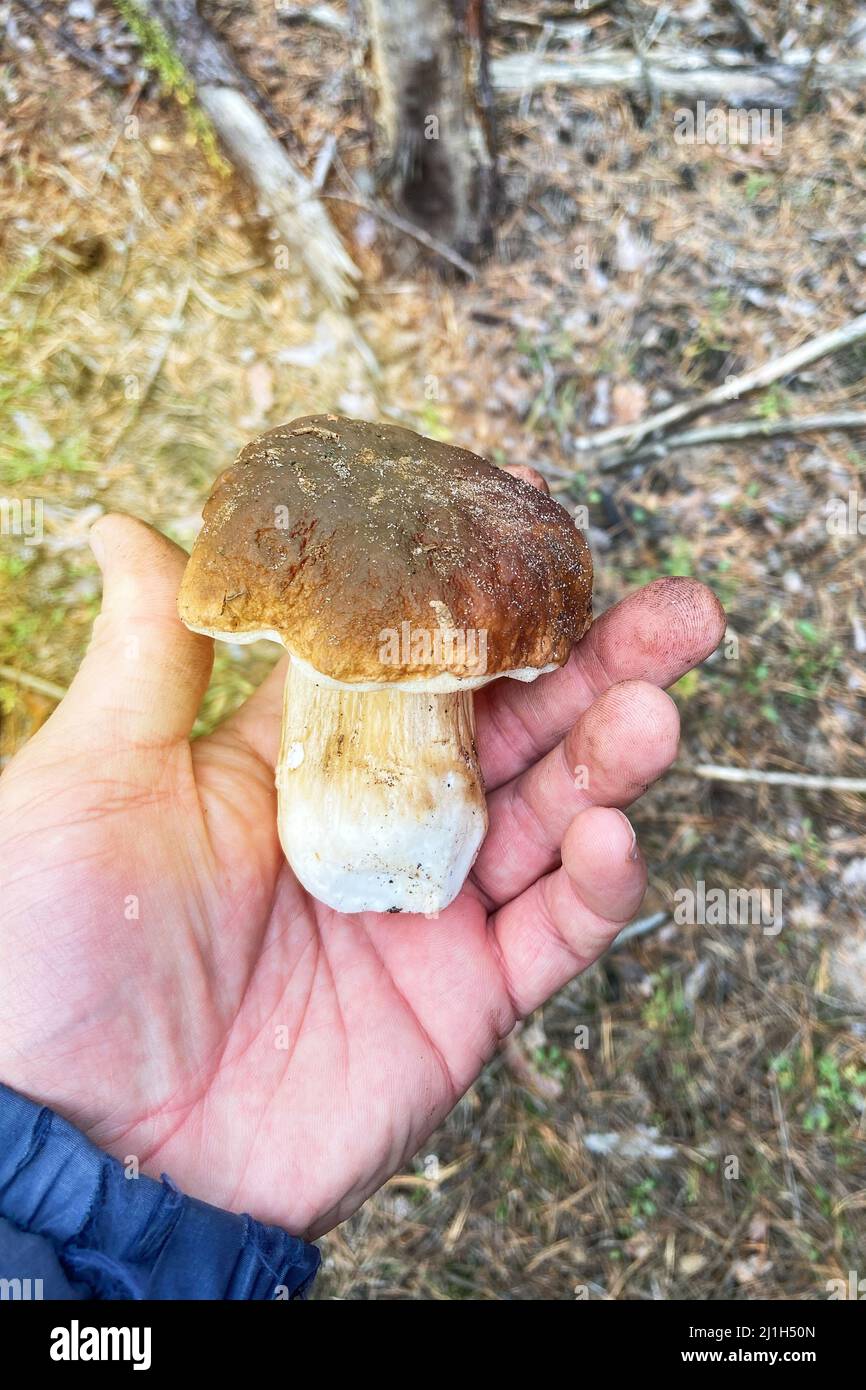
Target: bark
(432, 116)
(289, 199)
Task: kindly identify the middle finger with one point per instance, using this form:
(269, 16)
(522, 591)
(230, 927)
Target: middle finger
(625, 740)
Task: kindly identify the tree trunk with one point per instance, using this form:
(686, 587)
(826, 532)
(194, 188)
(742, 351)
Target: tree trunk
(432, 116)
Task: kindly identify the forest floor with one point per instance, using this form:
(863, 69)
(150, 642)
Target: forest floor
(148, 332)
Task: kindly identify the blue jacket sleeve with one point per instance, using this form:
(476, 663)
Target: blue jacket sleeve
(70, 1217)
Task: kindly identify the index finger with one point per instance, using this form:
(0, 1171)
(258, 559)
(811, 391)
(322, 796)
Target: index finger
(656, 634)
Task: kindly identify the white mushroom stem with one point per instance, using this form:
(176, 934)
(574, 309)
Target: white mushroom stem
(381, 805)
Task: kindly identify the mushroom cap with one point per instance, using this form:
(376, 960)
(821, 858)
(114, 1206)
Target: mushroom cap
(362, 546)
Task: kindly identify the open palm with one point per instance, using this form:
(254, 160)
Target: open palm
(167, 984)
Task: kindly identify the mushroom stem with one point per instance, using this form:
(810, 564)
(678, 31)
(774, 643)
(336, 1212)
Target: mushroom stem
(381, 806)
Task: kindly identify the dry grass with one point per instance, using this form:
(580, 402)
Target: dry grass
(149, 331)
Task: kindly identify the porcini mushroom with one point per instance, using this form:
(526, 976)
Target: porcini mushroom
(400, 573)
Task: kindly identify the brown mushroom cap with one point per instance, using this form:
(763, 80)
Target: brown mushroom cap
(328, 532)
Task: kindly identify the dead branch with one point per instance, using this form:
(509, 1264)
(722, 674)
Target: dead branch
(724, 75)
(808, 781)
(733, 430)
(401, 224)
(426, 86)
(28, 682)
(639, 928)
(630, 436)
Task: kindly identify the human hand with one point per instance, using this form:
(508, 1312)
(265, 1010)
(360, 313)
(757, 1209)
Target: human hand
(168, 986)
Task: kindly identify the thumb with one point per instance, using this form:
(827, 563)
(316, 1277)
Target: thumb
(144, 673)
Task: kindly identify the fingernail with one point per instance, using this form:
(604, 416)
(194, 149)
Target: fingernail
(633, 850)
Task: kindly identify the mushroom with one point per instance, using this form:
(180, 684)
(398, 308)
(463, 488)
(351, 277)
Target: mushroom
(400, 574)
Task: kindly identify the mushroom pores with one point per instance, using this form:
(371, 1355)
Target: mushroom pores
(401, 574)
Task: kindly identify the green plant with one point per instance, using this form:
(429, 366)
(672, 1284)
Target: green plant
(680, 560)
(687, 685)
(775, 403)
(432, 424)
(710, 337)
(20, 274)
(815, 665)
(551, 1061)
(755, 185)
(839, 1095)
(12, 566)
(641, 1204)
(808, 849)
(666, 1010)
(833, 1102)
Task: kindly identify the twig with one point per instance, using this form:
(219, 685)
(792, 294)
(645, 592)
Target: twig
(714, 773)
(324, 160)
(400, 224)
(565, 22)
(733, 429)
(42, 687)
(639, 928)
(630, 436)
